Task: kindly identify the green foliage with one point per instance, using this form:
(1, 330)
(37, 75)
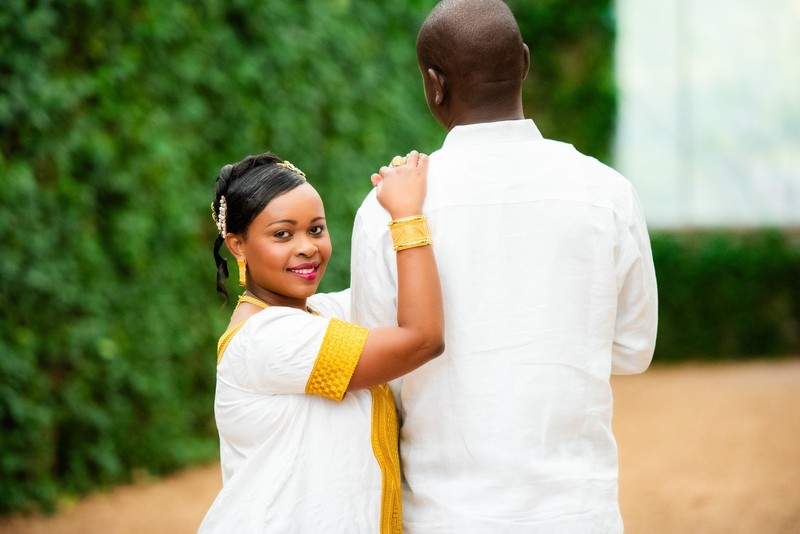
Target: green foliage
(570, 91)
(114, 120)
(726, 295)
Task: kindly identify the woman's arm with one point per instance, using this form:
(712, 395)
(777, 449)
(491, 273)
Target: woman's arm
(390, 352)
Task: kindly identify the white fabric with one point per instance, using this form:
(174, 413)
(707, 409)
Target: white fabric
(291, 462)
(332, 304)
(548, 288)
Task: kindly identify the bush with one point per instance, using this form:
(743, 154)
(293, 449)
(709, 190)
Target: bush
(727, 295)
(570, 91)
(114, 119)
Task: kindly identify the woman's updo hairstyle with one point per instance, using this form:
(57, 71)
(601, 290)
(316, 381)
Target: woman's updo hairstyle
(242, 192)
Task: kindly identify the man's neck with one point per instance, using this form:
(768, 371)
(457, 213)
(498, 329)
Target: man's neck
(478, 116)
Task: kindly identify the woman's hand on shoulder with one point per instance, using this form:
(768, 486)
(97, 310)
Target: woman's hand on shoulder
(400, 186)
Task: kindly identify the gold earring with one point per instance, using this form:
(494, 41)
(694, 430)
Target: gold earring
(242, 272)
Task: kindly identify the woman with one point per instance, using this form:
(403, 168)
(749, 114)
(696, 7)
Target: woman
(307, 424)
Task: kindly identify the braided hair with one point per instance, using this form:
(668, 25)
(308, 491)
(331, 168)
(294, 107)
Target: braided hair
(243, 190)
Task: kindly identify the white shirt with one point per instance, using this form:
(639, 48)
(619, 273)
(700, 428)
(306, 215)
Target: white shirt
(549, 288)
(293, 462)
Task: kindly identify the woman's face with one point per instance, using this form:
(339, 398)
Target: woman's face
(287, 248)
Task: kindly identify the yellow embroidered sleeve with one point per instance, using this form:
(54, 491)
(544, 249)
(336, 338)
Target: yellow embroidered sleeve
(338, 355)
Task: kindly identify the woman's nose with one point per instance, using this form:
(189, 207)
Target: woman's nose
(307, 248)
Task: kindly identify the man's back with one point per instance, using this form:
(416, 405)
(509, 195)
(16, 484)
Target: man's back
(546, 273)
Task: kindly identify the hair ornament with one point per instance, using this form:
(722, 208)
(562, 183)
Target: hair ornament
(219, 220)
(288, 165)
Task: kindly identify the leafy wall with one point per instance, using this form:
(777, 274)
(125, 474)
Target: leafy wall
(727, 294)
(114, 120)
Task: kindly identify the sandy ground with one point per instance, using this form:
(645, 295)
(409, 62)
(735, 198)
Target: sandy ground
(704, 449)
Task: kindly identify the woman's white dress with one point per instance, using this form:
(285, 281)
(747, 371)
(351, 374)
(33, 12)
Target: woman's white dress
(298, 453)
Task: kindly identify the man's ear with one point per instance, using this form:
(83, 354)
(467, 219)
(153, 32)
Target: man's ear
(235, 245)
(527, 66)
(438, 84)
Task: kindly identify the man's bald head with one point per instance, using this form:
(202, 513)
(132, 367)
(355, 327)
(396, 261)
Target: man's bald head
(476, 45)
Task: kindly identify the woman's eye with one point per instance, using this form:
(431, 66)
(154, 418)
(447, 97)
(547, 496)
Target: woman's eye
(282, 234)
(317, 230)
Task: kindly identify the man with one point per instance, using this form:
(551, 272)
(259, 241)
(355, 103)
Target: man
(548, 287)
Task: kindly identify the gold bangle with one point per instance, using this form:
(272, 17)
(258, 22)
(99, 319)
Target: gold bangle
(410, 232)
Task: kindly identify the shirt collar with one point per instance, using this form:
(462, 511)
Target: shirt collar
(492, 132)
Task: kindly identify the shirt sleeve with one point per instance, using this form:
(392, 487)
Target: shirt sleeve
(637, 298)
(373, 267)
(287, 351)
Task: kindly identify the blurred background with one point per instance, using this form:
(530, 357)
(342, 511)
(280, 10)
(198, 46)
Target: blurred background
(709, 114)
(115, 118)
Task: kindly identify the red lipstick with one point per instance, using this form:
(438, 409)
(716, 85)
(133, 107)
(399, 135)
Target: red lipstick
(306, 271)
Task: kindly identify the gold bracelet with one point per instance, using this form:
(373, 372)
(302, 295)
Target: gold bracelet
(410, 232)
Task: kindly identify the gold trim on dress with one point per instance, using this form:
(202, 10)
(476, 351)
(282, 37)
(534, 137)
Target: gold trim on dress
(384, 445)
(222, 344)
(337, 359)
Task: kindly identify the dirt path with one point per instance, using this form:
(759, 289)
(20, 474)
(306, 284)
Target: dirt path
(704, 449)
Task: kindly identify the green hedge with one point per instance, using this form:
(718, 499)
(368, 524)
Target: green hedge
(570, 91)
(114, 119)
(727, 295)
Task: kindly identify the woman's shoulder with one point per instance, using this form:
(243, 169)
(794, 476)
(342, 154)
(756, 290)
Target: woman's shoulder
(270, 328)
(336, 304)
(281, 318)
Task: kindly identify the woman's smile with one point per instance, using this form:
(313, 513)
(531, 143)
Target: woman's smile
(306, 271)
